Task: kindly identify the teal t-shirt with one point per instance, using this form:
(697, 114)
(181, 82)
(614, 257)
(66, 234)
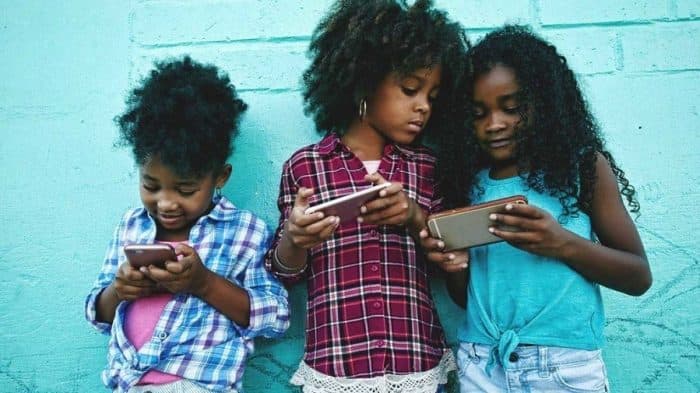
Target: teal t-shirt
(515, 297)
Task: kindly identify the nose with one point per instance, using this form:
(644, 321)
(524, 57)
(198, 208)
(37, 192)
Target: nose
(495, 122)
(166, 202)
(422, 105)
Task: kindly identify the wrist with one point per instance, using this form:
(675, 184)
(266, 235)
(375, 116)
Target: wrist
(204, 284)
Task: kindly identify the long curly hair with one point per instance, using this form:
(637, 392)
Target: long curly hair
(185, 113)
(359, 42)
(558, 143)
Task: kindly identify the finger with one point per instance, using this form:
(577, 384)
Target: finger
(375, 178)
(516, 222)
(302, 198)
(432, 244)
(454, 267)
(328, 230)
(317, 227)
(523, 210)
(381, 203)
(521, 237)
(185, 250)
(395, 214)
(158, 274)
(301, 219)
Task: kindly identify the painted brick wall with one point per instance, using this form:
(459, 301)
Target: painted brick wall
(67, 66)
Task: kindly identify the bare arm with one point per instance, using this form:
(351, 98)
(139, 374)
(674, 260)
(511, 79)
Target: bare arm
(618, 262)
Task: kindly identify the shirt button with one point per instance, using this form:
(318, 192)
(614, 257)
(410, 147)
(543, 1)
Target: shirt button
(373, 233)
(163, 335)
(374, 268)
(380, 343)
(513, 357)
(377, 305)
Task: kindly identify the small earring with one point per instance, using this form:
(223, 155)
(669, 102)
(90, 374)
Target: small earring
(363, 109)
(217, 192)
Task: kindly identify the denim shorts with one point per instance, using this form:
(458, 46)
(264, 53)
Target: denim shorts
(532, 368)
(181, 386)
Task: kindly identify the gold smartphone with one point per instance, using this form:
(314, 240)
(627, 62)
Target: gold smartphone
(469, 226)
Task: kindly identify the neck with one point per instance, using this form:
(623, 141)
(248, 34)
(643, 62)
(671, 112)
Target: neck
(364, 141)
(503, 170)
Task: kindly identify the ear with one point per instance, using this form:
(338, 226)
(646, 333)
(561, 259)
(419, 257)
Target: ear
(224, 175)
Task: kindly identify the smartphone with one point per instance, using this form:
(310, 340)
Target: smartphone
(348, 206)
(149, 254)
(469, 226)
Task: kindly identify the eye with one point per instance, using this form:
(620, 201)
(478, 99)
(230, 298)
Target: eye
(433, 96)
(409, 91)
(149, 187)
(186, 192)
(512, 110)
(478, 113)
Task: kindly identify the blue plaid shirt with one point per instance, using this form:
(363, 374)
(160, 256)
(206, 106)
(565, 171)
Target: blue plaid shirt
(192, 339)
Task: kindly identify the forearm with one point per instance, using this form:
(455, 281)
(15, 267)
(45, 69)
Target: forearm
(416, 221)
(106, 305)
(623, 271)
(457, 286)
(228, 298)
(290, 256)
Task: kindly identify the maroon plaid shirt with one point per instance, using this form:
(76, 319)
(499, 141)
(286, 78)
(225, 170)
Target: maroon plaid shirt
(369, 309)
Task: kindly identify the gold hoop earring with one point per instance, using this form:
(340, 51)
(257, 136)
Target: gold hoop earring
(363, 109)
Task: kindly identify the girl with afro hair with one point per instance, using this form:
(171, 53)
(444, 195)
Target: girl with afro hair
(382, 74)
(185, 324)
(534, 313)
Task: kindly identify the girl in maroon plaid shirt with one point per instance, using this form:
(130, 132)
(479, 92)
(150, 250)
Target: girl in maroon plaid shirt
(382, 74)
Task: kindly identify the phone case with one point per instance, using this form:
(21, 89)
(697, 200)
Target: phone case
(469, 226)
(348, 206)
(149, 254)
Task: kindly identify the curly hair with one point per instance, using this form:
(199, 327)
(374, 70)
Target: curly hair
(359, 42)
(185, 113)
(557, 146)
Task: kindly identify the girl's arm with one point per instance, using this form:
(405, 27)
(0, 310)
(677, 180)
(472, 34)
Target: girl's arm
(617, 262)
(191, 276)
(454, 263)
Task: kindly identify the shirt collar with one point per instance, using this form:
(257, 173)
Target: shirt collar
(332, 142)
(223, 210)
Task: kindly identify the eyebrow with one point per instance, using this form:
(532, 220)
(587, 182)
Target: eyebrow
(180, 183)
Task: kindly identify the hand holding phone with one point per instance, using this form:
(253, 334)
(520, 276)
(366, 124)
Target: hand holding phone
(156, 254)
(469, 226)
(348, 206)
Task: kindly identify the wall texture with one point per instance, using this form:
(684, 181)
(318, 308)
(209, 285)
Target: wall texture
(67, 66)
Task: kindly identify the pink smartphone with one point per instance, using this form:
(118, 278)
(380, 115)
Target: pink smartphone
(149, 254)
(348, 206)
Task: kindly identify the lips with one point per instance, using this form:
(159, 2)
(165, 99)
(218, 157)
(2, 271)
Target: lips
(169, 219)
(416, 125)
(499, 143)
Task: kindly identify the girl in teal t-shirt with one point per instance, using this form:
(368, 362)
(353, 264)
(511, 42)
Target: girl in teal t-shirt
(534, 315)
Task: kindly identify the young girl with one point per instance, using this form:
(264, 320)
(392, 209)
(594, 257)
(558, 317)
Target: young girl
(187, 327)
(534, 316)
(382, 73)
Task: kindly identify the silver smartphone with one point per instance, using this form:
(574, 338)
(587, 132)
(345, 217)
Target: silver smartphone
(348, 206)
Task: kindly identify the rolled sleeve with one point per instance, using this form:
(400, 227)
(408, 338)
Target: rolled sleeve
(104, 279)
(269, 306)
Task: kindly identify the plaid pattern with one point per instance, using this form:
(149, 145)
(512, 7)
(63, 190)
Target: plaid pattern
(369, 309)
(192, 339)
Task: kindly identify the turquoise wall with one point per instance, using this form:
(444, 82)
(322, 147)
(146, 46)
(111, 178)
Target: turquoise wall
(67, 66)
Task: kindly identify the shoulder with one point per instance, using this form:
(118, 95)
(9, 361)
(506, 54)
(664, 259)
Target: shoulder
(418, 153)
(132, 216)
(315, 151)
(239, 221)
